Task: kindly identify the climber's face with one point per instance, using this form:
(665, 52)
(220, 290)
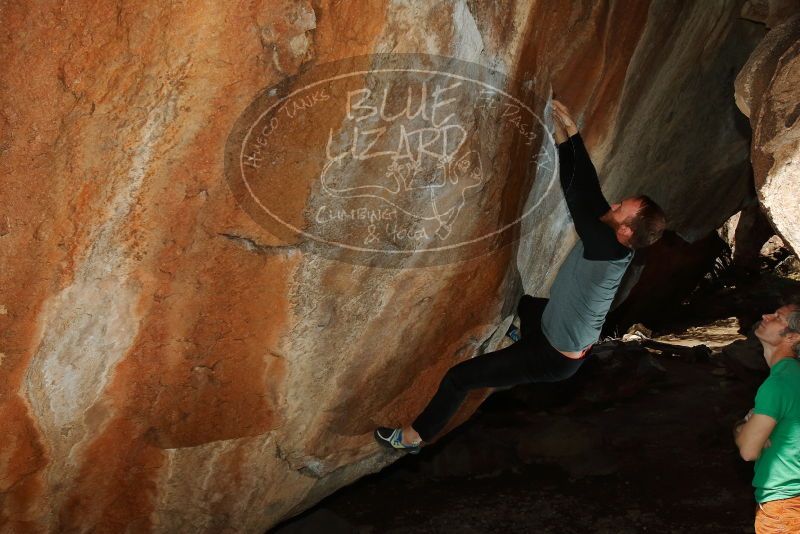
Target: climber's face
(622, 213)
(626, 209)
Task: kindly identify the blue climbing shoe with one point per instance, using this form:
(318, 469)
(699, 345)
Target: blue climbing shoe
(392, 438)
(514, 333)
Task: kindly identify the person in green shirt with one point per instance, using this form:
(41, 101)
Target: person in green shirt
(770, 433)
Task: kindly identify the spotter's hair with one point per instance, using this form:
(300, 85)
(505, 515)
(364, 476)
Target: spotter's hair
(794, 325)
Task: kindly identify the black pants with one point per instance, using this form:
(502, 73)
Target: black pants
(531, 359)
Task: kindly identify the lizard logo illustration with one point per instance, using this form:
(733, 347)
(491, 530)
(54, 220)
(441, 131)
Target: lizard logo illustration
(424, 184)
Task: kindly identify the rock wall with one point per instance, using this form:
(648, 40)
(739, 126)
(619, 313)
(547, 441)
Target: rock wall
(767, 92)
(168, 365)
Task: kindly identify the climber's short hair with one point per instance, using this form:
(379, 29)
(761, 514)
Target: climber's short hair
(648, 224)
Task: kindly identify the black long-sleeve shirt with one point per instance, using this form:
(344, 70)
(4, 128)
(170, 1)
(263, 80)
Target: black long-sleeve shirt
(586, 202)
(588, 278)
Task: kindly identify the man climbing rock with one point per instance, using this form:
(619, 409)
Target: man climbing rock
(770, 432)
(556, 334)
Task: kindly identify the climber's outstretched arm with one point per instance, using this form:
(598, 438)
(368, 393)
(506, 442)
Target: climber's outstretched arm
(579, 179)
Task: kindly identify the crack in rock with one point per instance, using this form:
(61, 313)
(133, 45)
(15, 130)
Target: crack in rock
(251, 245)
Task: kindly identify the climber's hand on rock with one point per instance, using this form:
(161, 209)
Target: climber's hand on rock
(560, 133)
(561, 114)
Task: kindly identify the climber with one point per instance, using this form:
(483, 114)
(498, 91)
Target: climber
(770, 432)
(556, 334)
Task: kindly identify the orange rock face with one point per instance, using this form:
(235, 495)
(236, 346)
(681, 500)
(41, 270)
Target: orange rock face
(767, 92)
(170, 365)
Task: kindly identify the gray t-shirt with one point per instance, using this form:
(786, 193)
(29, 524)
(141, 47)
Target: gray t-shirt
(580, 299)
(588, 280)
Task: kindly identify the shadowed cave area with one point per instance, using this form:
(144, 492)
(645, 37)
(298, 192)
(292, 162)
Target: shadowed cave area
(639, 440)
